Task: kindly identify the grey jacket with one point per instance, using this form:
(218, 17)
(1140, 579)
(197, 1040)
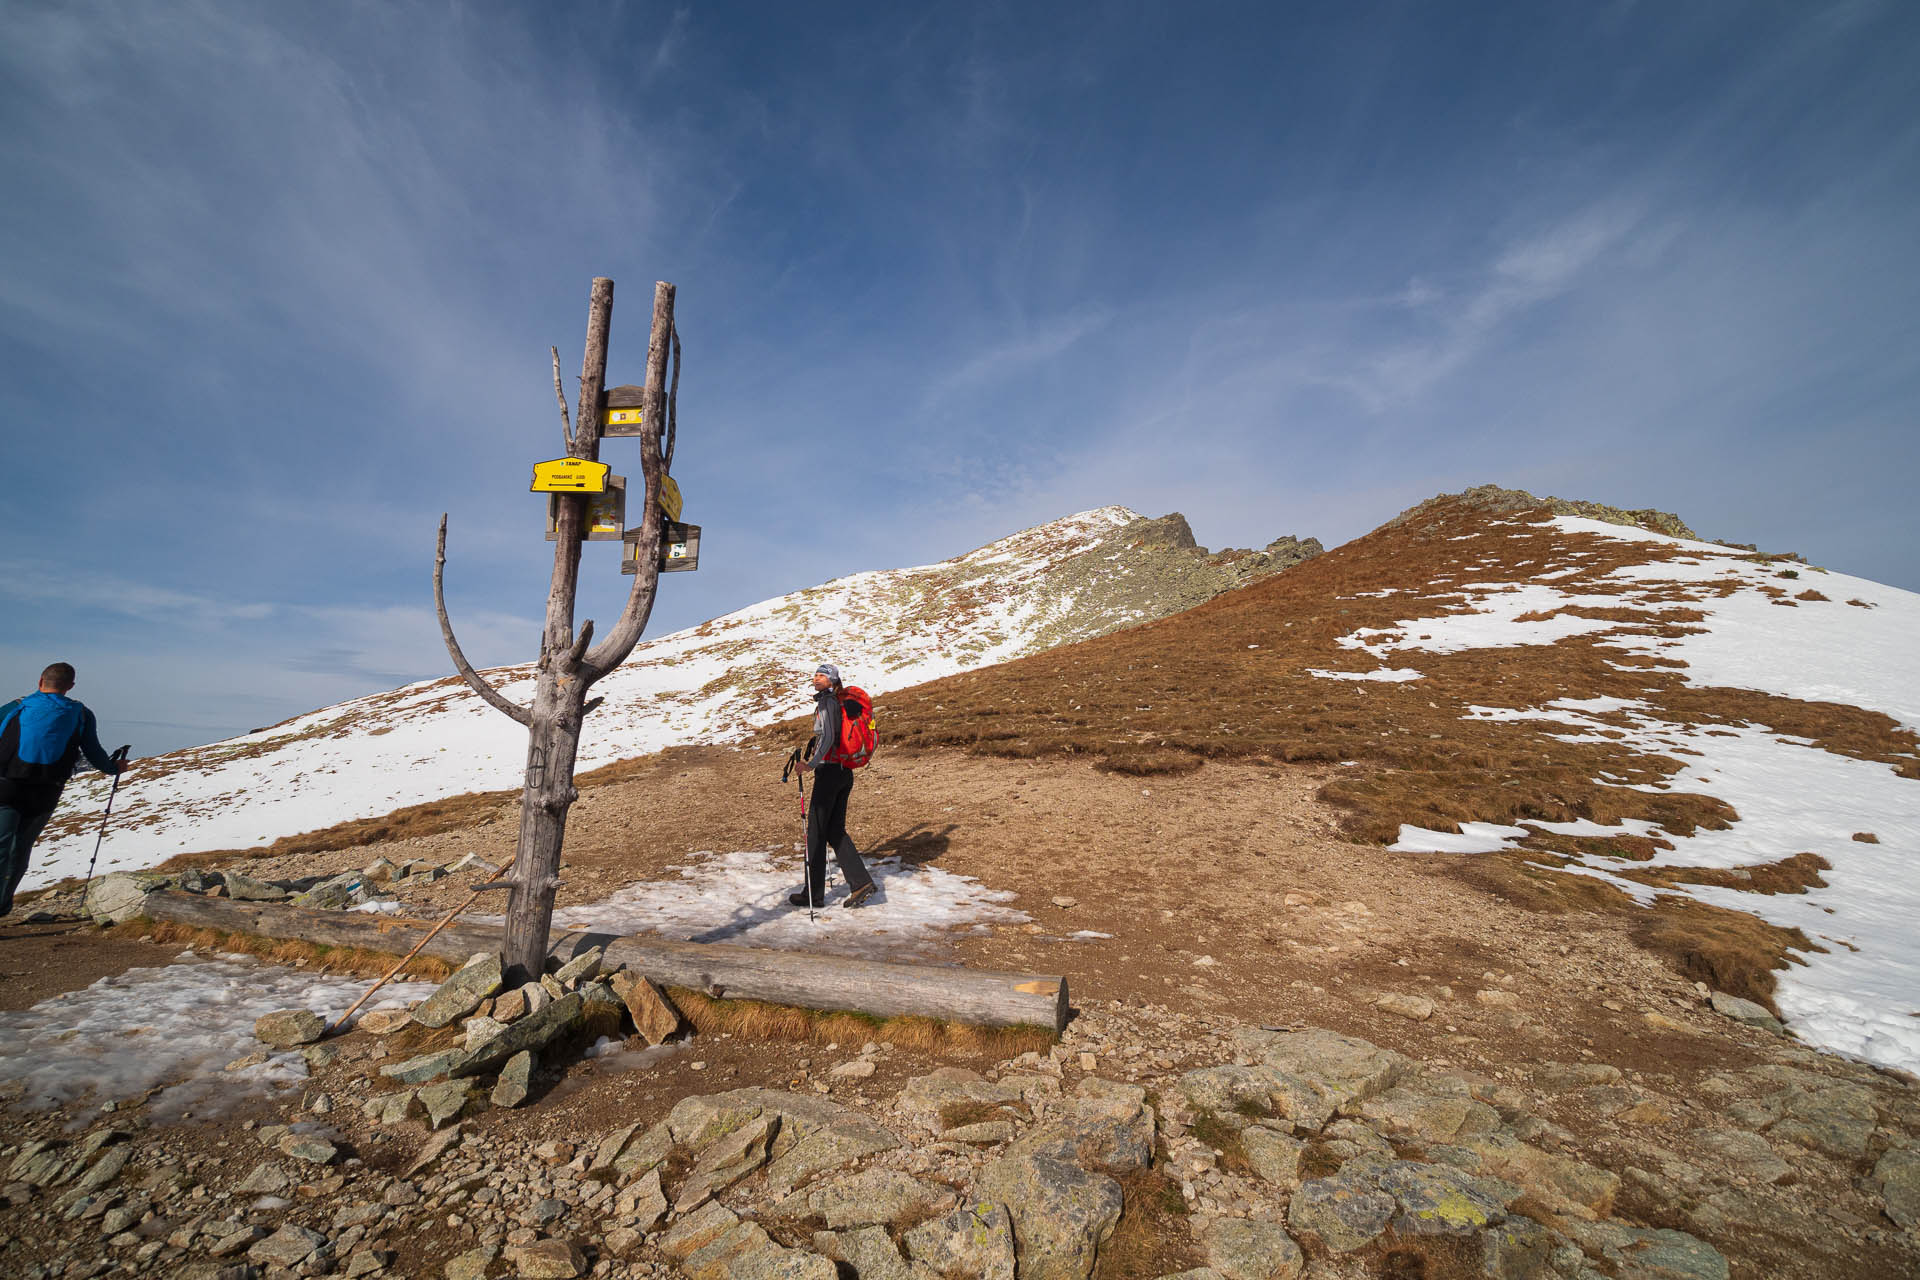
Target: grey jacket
(826, 726)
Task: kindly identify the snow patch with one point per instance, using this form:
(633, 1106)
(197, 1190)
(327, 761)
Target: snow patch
(1473, 837)
(173, 1027)
(741, 898)
(1393, 675)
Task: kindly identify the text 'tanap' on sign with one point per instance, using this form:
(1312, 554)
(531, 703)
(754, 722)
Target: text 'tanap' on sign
(570, 475)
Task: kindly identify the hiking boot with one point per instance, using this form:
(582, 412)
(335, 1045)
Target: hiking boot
(800, 900)
(859, 897)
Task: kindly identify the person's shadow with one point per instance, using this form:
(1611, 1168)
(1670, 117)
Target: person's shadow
(916, 845)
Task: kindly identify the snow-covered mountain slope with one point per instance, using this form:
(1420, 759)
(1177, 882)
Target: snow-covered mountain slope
(1746, 623)
(1081, 576)
(1725, 737)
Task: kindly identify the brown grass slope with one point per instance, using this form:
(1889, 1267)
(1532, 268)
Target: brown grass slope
(1231, 680)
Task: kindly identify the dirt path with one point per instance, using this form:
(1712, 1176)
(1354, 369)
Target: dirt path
(1229, 888)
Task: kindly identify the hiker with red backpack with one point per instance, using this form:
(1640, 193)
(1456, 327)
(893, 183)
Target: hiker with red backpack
(843, 740)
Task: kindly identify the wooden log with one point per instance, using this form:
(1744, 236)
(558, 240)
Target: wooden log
(881, 988)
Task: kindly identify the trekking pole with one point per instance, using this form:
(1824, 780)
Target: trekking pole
(491, 882)
(799, 777)
(119, 757)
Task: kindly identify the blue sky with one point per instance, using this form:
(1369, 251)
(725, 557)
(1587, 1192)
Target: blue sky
(280, 281)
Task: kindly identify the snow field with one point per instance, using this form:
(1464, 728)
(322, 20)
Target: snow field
(1861, 995)
(173, 1028)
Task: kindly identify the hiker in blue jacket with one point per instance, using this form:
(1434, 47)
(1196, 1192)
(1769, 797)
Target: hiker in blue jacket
(42, 737)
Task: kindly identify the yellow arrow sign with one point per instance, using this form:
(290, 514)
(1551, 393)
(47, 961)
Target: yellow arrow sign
(570, 475)
(670, 497)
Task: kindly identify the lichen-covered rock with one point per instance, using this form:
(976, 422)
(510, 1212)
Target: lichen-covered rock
(873, 1255)
(928, 1099)
(727, 1159)
(515, 1082)
(462, 993)
(1744, 1011)
(1638, 1253)
(1342, 1214)
(333, 894)
(474, 1264)
(1409, 1111)
(285, 1028)
(584, 967)
(534, 1032)
(1061, 1213)
(1272, 1155)
(119, 896)
(1515, 1249)
(1897, 1174)
(1436, 1200)
(875, 1197)
(423, 1068)
(1106, 1125)
(815, 1134)
(288, 1247)
(644, 1203)
(1836, 1118)
(547, 1260)
(1346, 1069)
(1748, 1154)
(1559, 1180)
(309, 1147)
(973, 1240)
(1243, 1249)
(246, 889)
(697, 1230)
(449, 1100)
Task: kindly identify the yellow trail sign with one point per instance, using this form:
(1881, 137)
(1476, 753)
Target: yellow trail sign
(669, 497)
(570, 475)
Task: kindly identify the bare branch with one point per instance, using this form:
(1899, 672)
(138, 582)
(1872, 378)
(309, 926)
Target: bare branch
(580, 644)
(592, 705)
(612, 651)
(492, 695)
(560, 394)
(673, 405)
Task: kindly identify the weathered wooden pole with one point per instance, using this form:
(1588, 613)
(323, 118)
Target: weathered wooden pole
(567, 669)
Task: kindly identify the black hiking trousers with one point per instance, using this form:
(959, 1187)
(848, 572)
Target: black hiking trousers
(20, 826)
(827, 825)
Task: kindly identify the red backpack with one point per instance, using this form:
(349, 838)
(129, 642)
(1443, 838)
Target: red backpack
(857, 738)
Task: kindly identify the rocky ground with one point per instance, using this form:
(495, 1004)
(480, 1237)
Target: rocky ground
(1150, 1141)
(1456, 1078)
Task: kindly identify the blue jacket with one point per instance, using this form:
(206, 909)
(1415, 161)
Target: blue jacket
(41, 739)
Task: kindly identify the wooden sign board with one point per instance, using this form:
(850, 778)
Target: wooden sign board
(679, 550)
(569, 475)
(606, 518)
(620, 413)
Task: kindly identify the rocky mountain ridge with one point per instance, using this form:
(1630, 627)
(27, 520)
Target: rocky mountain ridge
(1068, 580)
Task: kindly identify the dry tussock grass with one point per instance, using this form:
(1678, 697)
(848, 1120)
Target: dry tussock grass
(753, 1019)
(316, 956)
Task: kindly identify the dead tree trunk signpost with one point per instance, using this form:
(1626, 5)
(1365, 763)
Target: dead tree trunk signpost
(568, 668)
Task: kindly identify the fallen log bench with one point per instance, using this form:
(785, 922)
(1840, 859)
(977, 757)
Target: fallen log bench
(879, 988)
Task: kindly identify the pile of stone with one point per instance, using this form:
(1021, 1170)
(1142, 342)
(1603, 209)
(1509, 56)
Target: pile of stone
(117, 897)
(1283, 1153)
(504, 1031)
